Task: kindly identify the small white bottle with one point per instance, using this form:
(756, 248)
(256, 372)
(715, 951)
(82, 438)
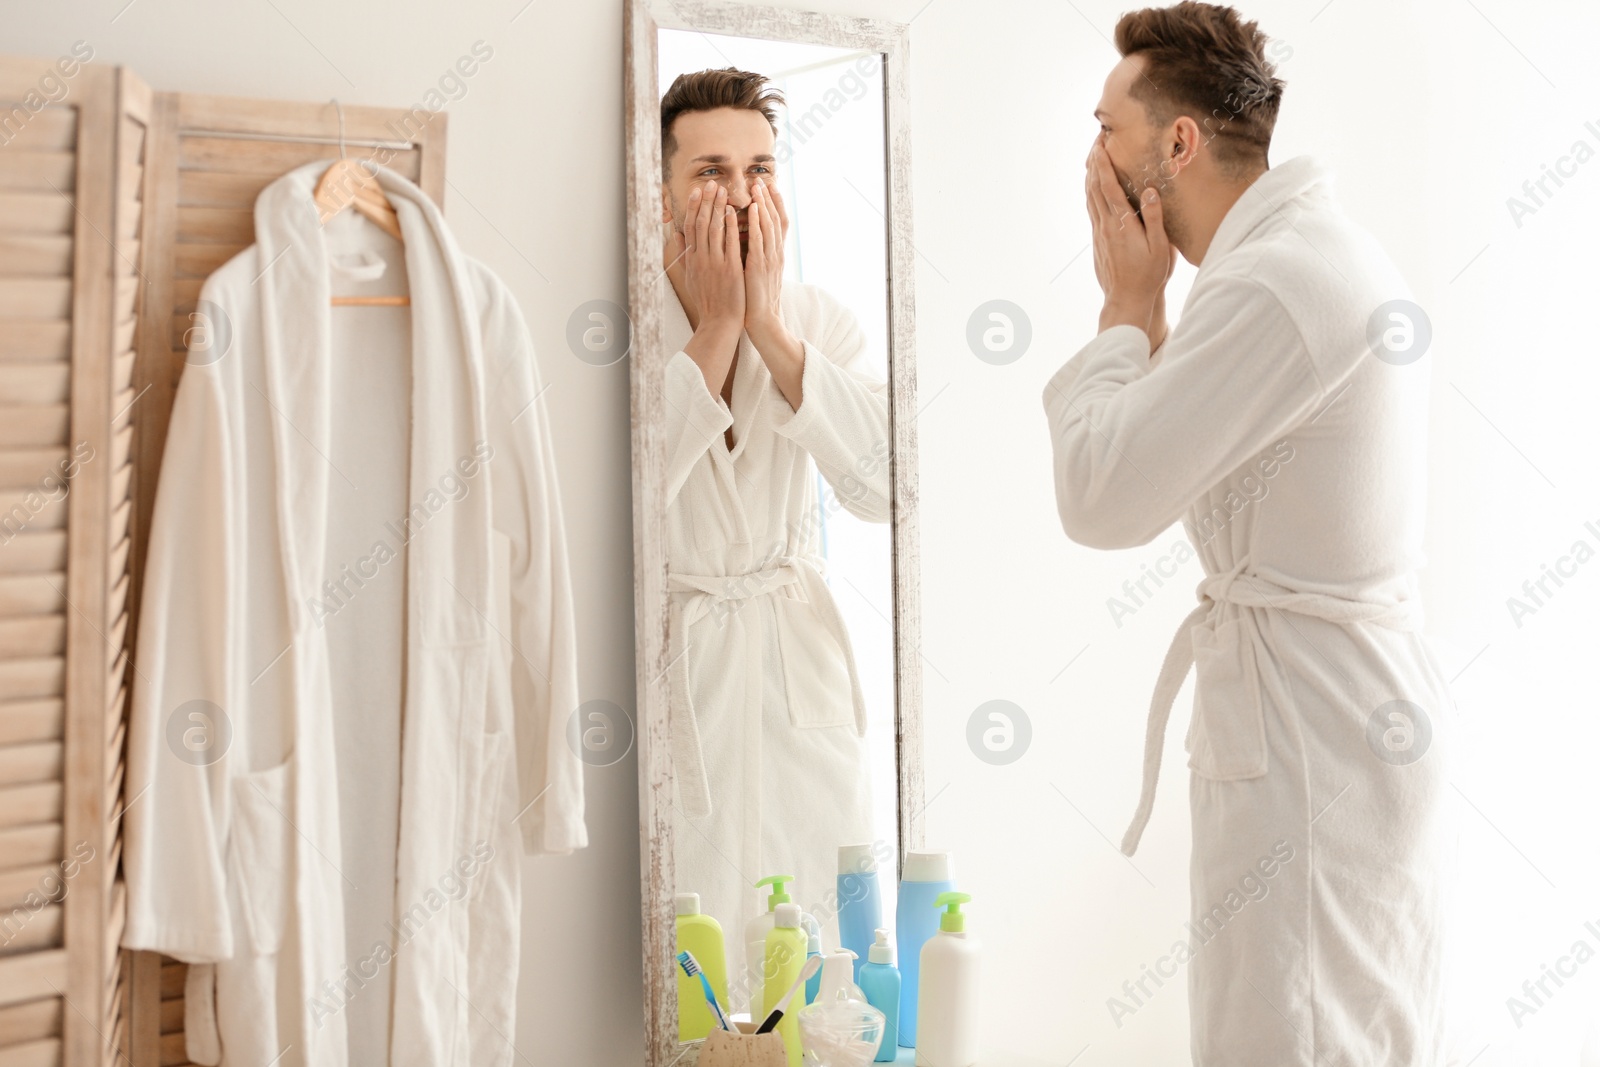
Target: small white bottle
(947, 998)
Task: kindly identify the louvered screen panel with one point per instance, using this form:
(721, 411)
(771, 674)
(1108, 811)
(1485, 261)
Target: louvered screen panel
(71, 174)
(209, 157)
(127, 283)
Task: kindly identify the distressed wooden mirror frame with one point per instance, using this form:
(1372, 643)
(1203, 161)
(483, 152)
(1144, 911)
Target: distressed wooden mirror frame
(641, 103)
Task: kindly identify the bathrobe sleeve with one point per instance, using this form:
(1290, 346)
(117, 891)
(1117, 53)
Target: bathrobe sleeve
(527, 509)
(694, 419)
(1135, 446)
(843, 418)
(187, 722)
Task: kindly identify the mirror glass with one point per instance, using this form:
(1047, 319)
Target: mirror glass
(778, 466)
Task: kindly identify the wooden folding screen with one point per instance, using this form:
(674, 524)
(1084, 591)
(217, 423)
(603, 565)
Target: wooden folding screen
(72, 149)
(209, 158)
(115, 204)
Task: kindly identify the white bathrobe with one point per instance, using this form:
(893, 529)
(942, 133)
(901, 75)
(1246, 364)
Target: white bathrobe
(355, 660)
(768, 721)
(1296, 460)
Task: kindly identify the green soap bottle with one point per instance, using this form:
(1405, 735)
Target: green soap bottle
(785, 957)
(754, 983)
(701, 936)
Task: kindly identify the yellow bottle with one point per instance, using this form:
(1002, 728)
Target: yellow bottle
(781, 964)
(701, 936)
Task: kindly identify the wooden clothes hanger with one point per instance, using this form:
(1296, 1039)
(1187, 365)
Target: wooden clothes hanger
(348, 184)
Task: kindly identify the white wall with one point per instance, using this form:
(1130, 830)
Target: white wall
(1432, 113)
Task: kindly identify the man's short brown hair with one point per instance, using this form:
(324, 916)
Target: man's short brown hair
(1205, 61)
(706, 90)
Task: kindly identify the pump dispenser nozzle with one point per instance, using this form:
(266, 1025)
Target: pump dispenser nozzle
(780, 889)
(880, 951)
(952, 921)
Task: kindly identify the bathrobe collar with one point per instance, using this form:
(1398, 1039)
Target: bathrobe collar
(751, 379)
(1265, 197)
(447, 376)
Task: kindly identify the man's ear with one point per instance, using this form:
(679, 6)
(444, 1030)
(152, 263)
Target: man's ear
(1189, 137)
(666, 203)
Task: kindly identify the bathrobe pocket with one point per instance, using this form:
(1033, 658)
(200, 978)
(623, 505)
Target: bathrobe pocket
(259, 840)
(1227, 737)
(815, 676)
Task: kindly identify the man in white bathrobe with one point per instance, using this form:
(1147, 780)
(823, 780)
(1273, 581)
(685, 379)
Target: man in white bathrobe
(768, 385)
(1318, 744)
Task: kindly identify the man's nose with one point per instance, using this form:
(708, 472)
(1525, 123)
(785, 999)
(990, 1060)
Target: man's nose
(739, 194)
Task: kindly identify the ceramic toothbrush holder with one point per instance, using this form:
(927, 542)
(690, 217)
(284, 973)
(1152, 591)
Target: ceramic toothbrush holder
(746, 1048)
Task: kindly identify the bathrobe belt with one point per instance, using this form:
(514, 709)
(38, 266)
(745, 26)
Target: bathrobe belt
(726, 593)
(1236, 586)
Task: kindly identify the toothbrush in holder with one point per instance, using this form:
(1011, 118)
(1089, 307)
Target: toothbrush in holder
(772, 1020)
(691, 967)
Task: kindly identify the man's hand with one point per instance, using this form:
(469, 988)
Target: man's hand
(768, 224)
(1132, 257)
(714, 282)
(1158, 315)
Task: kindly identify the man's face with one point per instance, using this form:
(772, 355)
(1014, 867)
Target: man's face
(731, 146)
(1130, 142)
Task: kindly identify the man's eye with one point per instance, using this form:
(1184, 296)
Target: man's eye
(709, 172)
(761, 170)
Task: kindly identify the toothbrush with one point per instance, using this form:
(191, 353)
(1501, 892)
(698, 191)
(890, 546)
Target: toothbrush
(691, 967)
(811, 967)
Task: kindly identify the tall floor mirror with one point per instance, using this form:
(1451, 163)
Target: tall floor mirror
(774, 467)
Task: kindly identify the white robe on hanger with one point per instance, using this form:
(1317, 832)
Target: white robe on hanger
(768, 720)
(355, 664)
(1297, 460)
